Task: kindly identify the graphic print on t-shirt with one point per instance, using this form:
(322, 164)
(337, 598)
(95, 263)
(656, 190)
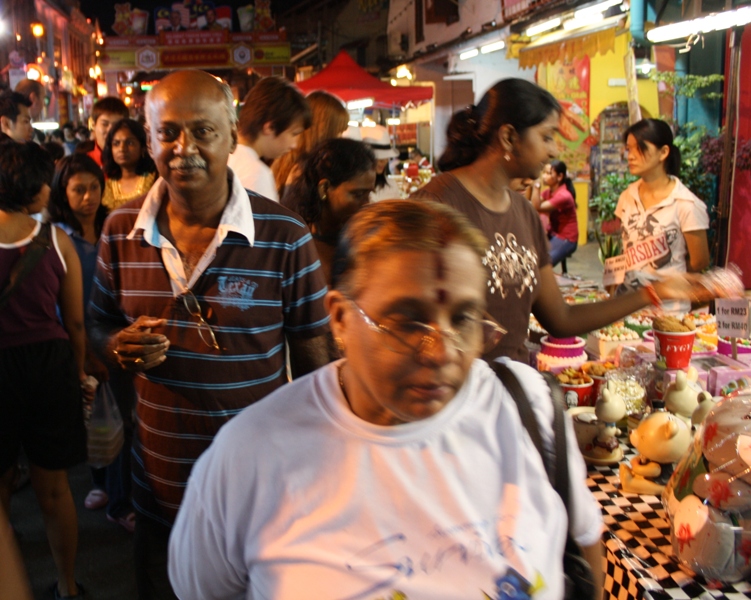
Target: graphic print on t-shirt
(646, 242)
(512, 266)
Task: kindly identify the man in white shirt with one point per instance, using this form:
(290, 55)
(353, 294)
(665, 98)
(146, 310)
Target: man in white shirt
(273, 115)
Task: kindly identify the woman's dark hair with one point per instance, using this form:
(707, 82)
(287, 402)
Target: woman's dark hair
(145, 165)
(24, 169)
(59, 207)
(381, 181)
(559, 167)
(513, 102)
(659, 134)
(338, 160)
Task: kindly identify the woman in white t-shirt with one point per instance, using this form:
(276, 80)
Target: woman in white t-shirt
(664, 225)
(402, 470)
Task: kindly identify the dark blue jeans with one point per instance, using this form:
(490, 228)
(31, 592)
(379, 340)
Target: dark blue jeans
(560, 249)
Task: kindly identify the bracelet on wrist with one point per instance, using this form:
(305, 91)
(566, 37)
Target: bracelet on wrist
(653, 297)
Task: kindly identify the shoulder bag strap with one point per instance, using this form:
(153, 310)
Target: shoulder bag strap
(559, 431)
(26, 262)
(529, 420)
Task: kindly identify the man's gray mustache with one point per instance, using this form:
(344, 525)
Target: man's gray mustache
(192, 162)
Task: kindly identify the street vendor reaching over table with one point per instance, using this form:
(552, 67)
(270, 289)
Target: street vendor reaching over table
(402, 469)
(664, 225)
(508, 135)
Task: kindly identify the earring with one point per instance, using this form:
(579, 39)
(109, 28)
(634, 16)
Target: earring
(339, 345)
(324, 197)
(506, 157)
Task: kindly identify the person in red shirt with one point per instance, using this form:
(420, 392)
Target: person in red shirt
(559, 203)
(105, 113)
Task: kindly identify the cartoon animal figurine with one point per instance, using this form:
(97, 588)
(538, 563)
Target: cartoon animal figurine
(681, 397)
(661, 439)
(706, 403)
(605, 448)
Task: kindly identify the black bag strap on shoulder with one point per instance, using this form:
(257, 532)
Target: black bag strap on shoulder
(26, 262)
(579, 582)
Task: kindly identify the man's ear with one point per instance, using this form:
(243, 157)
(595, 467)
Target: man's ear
(233, 133)
(148, 140)
(5, 124)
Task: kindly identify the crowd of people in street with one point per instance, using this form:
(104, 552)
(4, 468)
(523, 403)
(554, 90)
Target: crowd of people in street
(302, 364)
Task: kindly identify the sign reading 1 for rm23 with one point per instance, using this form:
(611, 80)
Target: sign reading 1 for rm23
(732, 318)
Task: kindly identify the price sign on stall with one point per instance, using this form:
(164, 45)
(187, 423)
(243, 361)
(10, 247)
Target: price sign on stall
(732, 318)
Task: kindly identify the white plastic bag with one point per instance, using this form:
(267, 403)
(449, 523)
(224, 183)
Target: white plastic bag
(105, 429)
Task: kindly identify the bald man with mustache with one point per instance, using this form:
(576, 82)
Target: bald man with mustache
(201, 290)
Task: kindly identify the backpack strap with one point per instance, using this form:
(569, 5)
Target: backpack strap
(557, 467)
(25, 263)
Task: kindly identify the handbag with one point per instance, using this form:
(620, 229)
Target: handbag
(26, 262)
(579, 582)
(104, 429)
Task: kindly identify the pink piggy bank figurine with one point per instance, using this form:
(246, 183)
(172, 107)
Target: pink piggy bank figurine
(708, 498)
(661, 439)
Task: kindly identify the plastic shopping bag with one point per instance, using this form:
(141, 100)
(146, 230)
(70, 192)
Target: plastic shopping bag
(105, 428)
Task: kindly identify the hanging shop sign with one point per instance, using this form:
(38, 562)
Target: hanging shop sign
(148, 53)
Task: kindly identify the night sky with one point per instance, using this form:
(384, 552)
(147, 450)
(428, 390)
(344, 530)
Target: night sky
(105, 11)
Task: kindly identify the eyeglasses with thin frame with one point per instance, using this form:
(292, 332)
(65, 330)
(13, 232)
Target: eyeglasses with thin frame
(418, 338)
(204, 329)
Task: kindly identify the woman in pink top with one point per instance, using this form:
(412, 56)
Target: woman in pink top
(559, 203)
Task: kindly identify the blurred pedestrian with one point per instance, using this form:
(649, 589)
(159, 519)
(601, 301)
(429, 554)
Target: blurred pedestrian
(105, 113)
(379, 140)
(336, 181)
(330, 120)
(126, 162)
(273, 116)
(558, 202)
(15, 119)
(41, 358)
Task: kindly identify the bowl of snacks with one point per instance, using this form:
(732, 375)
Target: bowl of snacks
(674, 341)
(577, 387)
(596, 370)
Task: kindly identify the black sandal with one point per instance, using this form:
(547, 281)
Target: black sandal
(56, 595)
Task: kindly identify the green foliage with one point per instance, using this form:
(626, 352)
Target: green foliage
(689, 85)
(604, 203)
(693, 173)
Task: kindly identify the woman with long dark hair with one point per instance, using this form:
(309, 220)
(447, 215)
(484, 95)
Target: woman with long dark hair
(664, 225)
(126, 163)
(76, 207)
(336, 182)
(509, 135)
(558, 201)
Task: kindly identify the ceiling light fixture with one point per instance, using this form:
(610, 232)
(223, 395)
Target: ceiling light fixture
(713, 22)
(596, 9)
(488, 48)
(543, 27)
(364, 103)
(469, 54)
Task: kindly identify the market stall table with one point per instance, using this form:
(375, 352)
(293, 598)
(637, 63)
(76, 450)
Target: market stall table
(639, 556)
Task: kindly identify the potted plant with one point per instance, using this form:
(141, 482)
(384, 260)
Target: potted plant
(607, 226)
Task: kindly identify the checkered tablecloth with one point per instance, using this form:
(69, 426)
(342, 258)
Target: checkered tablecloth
(640, 561)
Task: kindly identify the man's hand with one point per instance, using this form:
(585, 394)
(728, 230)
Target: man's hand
(136, 348)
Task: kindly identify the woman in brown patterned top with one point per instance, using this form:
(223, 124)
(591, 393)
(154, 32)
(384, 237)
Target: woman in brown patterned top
(509, 135)
(126, 162)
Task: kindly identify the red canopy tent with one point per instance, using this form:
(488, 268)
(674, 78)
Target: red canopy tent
(344, 78)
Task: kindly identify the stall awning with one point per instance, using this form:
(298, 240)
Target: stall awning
(344, 78)
(566, 49)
